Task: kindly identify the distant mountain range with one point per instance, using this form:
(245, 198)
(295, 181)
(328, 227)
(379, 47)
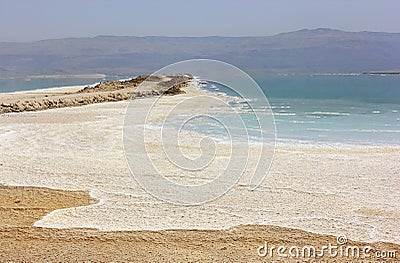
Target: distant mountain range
(318, 50)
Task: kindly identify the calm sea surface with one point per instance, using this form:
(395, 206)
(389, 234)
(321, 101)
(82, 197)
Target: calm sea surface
(360, 109)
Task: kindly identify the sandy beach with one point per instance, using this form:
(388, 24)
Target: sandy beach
(20, 241)
(312, 194)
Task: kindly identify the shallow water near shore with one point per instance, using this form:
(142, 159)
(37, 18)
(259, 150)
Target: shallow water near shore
(343, 108)
(354, 109)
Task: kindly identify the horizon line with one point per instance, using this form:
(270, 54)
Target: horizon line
(205, 36)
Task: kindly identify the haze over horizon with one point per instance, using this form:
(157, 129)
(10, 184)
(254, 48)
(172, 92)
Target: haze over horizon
(222, 36)
(27, 21)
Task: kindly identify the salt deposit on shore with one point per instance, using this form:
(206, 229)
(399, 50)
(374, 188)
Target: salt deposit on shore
(333, 190)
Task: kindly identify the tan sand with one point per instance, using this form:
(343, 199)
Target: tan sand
(23, 206)
(19, 241)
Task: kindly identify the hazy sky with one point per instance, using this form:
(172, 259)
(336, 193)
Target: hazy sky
(42, 19)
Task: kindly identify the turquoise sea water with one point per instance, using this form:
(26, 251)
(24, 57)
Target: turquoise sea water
(360, 109)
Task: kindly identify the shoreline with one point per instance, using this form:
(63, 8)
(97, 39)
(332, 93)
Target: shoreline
(60, 132)
(282, 140)
(61, 89)
(239, 243)
(114, 90)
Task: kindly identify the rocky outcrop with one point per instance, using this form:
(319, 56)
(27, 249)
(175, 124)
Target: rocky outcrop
(104, 92)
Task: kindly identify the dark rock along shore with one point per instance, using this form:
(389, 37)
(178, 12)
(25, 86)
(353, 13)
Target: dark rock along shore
(107, 91)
